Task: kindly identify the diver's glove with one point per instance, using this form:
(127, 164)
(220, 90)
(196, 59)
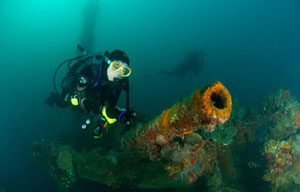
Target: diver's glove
(52, 99)
(124, 116)
(99, 128)
(132, 114)
(96, 125)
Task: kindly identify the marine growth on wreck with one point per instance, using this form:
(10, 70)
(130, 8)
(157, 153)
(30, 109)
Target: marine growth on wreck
(198, 140)
(165, 152)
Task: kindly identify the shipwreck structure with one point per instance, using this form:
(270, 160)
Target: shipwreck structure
(166, 152)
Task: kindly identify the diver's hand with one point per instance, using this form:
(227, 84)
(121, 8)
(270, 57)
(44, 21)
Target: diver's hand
(131, 114)
(51, 100)
(125, 117)
(97, 125)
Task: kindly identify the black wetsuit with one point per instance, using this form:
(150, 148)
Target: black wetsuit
(97, 92)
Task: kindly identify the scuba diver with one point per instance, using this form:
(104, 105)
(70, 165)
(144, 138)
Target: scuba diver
(93, 84)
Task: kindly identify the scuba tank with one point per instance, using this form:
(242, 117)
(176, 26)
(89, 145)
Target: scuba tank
(73, 67)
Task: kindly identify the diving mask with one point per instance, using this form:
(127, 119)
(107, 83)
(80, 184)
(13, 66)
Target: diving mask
(117, 66)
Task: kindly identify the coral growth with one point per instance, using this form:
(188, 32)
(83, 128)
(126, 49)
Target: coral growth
(282, 110)
(190, 162)
(284, 164)
(215, 103)
(207, 107)
(164, 151)
(298, 118)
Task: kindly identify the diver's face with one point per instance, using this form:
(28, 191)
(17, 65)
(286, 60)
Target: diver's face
(113, 74)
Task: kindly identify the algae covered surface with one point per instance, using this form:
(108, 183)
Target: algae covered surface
(214, 160)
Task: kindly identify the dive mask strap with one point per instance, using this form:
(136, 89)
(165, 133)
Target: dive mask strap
(107, 60)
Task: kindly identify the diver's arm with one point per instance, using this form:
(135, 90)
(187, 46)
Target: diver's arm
(61, 102)
(90, 105)
(116, 114)
(112, 113)
(62, 99)
(58, 100)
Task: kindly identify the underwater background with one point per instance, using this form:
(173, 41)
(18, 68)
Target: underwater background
(252, 47)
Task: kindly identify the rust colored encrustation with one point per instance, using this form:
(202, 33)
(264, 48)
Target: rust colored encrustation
(205, 108)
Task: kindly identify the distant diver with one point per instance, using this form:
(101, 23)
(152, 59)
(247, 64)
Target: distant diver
(191, 64)
(90, 15)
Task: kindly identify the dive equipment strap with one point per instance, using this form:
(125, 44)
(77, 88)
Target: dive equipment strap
(57, 69)
(127, 104)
